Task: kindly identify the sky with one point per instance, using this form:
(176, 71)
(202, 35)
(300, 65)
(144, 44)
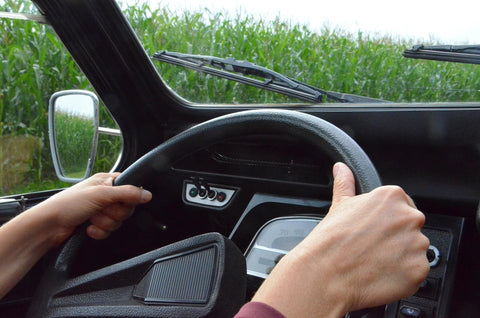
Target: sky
(451, 22)
(76, 105)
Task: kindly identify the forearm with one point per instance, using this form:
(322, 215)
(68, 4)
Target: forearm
(23, 241)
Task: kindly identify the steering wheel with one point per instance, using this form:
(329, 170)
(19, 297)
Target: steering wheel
(321, 135)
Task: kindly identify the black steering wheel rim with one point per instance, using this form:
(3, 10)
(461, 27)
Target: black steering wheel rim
(319, 133)
(322, 135)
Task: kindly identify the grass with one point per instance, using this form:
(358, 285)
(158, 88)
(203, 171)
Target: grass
(34, 65)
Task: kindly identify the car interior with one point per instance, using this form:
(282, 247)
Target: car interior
(236, 188)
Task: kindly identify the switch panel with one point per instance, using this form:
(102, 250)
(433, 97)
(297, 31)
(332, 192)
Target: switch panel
(434, 295)
(214, 196)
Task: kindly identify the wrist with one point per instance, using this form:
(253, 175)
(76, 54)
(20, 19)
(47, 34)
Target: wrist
(45, 222)
(297, 288)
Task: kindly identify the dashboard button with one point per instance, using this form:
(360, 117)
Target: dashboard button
(212, 195)
(202, 193)
(408, 311)
(193, 192)
(429, 288)
(221, 196)
(424, 284)
(433, 256)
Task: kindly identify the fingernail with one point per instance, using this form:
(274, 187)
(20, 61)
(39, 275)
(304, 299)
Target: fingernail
(146, 196)
(91, 231)
(336, 169)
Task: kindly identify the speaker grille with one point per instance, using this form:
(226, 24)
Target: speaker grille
(184, 278)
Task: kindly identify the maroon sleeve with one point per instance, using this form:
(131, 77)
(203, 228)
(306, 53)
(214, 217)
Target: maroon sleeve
(258, 310)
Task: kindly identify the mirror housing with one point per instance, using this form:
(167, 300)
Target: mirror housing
(73, 124)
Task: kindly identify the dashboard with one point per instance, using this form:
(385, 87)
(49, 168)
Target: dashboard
(266, 193)
(272, 199)
(272, 225)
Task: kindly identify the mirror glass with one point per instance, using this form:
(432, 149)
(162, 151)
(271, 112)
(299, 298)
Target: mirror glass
(75, 130)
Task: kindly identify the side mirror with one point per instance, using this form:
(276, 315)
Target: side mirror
(73, 130)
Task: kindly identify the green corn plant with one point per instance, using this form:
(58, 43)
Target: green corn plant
(33, 65)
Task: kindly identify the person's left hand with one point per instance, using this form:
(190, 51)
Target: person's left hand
(28, 236)
(95, 200)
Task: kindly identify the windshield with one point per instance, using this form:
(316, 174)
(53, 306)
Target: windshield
(346, 47)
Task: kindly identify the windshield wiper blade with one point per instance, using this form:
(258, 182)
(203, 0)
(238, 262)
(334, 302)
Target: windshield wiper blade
(469, 54)
(273, 81)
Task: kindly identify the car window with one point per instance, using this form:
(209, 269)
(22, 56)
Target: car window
(34, 65)
(364, 61)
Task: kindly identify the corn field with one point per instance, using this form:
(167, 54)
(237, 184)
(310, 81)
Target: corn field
(34, 65)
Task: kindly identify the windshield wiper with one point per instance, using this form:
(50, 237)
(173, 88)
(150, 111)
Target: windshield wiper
(273, 81)
(451, 53)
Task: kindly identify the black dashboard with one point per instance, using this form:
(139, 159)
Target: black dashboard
(276, 178)
(252, 180)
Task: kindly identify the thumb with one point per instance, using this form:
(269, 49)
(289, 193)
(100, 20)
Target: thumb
(343, 182)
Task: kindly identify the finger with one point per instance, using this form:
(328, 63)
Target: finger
(118, 211)
(101, 178)
(108, 181)
(97, 233)
(343, 182)
(419, 218)
(398, 192)
(410, 202)
(105, 223)
(128, 194)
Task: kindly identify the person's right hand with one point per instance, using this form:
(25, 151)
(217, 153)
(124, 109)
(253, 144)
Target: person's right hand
(368, 251)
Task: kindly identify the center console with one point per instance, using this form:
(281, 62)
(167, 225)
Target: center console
(271, 226)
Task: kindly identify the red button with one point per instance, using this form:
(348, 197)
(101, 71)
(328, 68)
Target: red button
(221, 196)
